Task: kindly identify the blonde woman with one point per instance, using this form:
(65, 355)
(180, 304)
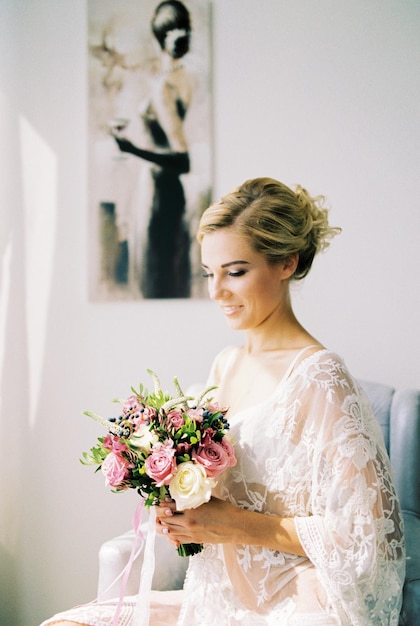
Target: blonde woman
(306, 529)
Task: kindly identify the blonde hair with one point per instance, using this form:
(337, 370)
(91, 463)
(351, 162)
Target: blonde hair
(276, 220)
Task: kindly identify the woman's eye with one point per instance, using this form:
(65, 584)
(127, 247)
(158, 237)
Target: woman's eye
(231, 274)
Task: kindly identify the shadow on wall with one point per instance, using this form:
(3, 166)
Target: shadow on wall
(13, 412)
(9, 588)
(14, 368)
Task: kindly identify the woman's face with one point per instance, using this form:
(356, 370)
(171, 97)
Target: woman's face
(248, 289)
(177, 42)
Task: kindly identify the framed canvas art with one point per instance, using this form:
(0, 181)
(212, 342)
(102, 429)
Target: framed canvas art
(150, 146)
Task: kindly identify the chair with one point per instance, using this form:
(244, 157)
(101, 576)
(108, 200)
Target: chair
(398, 412)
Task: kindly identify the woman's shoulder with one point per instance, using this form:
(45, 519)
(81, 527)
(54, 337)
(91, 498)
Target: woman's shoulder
(324, 369)
(172, 92)
(321, 358)
(222, 362)
(225, 357)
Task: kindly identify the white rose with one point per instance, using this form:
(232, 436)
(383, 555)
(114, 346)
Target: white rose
(190, 487)
(143, 438)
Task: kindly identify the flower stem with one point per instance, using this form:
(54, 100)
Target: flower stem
(188, 549)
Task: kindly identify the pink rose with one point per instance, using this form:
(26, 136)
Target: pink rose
(214, 407)
(183, 448)
(107, 442)
(161, 464)
(214, 457)
(195, 414)
(175, 419)
(113, 443)
(229, 451)
(115, 468)
(148, 414)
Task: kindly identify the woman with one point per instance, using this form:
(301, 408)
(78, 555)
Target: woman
(166, 263)
(306, 528)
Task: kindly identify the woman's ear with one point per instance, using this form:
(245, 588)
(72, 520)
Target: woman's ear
(289, 265)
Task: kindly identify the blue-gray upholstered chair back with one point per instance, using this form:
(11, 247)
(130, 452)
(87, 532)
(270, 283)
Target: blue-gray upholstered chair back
(398, 412)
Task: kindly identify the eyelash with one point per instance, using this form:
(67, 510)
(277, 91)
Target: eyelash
(231, 274)
(237, 273)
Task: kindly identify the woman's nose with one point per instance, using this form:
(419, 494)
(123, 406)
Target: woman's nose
(217, 291)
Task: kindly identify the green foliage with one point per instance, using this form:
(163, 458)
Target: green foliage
(97, 454)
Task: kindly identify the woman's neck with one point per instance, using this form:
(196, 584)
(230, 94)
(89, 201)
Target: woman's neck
(278, 332)
(169, 64)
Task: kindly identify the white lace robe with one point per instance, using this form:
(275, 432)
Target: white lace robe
(313, 451)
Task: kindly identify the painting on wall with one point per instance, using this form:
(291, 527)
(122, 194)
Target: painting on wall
(150, 146)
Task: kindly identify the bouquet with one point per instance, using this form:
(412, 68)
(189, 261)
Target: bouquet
(164, 447)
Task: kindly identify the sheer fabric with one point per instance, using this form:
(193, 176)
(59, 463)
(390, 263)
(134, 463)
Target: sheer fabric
(164, 610)
(314, 451)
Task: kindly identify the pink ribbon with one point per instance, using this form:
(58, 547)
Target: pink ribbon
(142, 613)
(135, 551)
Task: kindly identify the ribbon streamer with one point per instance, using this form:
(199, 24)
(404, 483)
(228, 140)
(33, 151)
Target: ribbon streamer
(142, 613)
(135, 551)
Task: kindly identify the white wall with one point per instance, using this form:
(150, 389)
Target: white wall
(322, 93)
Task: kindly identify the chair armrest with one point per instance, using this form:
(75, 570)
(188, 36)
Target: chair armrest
(410, 611)
(170, 568)
(405, 447)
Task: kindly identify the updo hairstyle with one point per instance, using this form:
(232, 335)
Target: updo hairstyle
(277, 221)
(168, 16)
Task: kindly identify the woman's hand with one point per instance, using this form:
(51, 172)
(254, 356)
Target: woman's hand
(218, 521)
(212, 522)
(125, 145)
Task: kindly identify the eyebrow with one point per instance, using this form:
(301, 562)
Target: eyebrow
(230, 264)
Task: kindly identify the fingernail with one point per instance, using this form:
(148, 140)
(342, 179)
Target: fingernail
(168, 512)
(165, 531)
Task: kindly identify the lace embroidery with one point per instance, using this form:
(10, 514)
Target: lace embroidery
(319, 458)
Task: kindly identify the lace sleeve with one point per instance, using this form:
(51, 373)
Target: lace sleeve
(354, 534)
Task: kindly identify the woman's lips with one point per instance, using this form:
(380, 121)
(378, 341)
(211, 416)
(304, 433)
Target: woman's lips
(231, 310)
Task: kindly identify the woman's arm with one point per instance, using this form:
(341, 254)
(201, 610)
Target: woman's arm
(177, 158)
(179, 162)
(221, 522)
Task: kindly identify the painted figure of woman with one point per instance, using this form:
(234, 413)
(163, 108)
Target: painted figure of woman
(165, 256)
